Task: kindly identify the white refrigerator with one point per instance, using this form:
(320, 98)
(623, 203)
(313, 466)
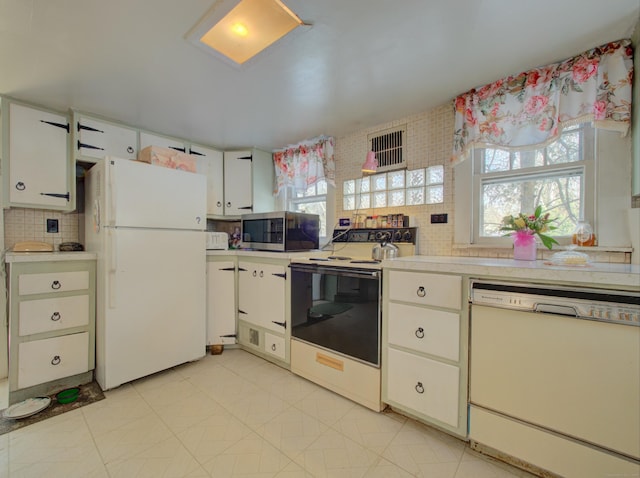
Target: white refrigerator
(146, 223)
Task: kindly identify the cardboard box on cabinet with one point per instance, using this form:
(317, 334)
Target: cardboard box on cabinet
(168, 158)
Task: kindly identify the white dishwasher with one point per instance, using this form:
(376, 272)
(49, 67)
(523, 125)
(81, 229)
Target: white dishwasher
(555, 378)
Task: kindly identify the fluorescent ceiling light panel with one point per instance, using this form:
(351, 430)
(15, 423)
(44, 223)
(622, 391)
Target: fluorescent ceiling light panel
(246, 30)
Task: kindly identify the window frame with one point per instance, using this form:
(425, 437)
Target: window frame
(587, 167)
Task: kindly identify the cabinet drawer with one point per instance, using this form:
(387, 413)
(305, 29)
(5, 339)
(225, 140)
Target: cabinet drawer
(426, 330)
(45, 360)
(37, 316)
(275, 345)
(422, 385)
(52, 282)
(428, 289)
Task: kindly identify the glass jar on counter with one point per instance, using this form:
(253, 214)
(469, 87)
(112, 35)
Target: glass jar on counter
(583, 235)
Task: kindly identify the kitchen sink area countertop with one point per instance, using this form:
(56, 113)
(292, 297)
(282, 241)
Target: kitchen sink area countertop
(13, 257)
(598, 274)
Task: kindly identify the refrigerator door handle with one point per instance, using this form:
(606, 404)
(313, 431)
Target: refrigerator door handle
(113, 268)
(111, 213)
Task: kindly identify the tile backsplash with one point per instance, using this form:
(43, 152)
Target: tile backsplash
(31, 225)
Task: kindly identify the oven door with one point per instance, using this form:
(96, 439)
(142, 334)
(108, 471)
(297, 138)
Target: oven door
(338, 309)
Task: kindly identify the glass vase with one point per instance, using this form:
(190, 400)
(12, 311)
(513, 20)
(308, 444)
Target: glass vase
(524, 247)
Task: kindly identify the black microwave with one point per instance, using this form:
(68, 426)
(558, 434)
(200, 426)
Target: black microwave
(280, 231)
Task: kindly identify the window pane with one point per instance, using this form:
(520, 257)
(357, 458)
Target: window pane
(364, 201)
(415, 178)
(560, 195)
(435, 175)
(435, 194)
(396, 179)
(380, 199)
(495, 160)
(415, 196)
(316, 207)
(349, 187)
(379, 182)
(311, 191)
(396, 198)
(321, 187)
(363, 185)
(349, 203)
(566, 149)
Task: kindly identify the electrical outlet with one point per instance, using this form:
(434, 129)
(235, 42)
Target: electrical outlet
(439, 218)
(52, 226)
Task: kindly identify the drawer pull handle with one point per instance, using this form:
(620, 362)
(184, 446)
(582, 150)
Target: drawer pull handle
(255, 273)
(261, 273)
(419, 387)
(273, 347)
(55, 316)
(55, 285)
(56, 360)
(420, 333)
(20, 186)
(130, 149)
(421, 291)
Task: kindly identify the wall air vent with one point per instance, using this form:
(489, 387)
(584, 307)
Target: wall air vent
(389, 148)
(254, 337)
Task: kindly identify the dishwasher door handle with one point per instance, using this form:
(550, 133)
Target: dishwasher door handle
(556, 309)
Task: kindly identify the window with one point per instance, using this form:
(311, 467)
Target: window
(313, 201)
(560, 177)
(395, 188)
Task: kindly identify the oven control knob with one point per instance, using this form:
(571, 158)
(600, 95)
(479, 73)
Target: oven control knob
(407, 236)
(397, 236)
(380, 235)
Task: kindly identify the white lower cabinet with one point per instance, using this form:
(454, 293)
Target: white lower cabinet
(424, 353)
(46, 360)
(426, 386)
(51, 326)
(221, 302)
(263, 308)
(274, 345)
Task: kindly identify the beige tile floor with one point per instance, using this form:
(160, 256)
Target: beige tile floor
(235, 415)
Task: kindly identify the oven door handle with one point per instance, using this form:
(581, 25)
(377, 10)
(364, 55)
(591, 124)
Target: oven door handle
(343, 271)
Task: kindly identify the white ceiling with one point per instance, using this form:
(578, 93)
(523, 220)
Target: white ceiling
(362, 63)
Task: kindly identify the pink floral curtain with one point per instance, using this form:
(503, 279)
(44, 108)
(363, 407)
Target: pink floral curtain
(531, 108)
(304, 164)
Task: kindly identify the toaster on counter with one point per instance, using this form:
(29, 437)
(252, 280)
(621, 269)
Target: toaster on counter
(217, 240)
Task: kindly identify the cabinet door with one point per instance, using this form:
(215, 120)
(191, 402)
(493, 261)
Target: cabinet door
(38, 160)
(210, 163)
(275, 345)
(221, 303)
(271, 291)
(238, 183)
(426, 386)
(261, 295)
(148, 139)
(248, 305)
(97, 139)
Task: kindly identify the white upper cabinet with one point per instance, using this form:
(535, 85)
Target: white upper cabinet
(149, 139)
(248, 180)
(95, 139)
(237, 179)
(210, 163)
(39, 175)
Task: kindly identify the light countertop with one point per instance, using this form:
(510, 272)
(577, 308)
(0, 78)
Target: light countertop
(14, 257)
(597, 274)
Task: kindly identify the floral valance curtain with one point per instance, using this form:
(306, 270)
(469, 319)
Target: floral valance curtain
(532, 108)
(304, 164)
